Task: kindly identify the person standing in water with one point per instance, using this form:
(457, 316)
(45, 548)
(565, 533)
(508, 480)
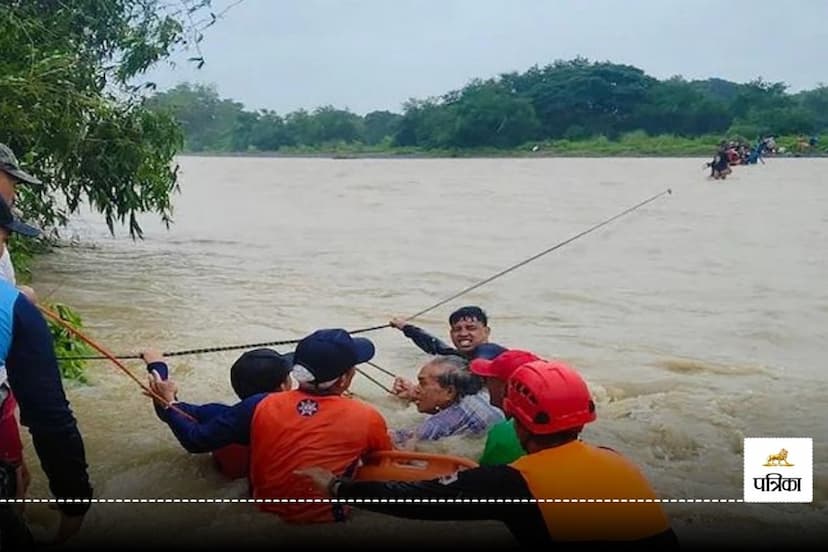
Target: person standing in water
(469, 331)
(720, 166)
(30, 371)
(563, 492)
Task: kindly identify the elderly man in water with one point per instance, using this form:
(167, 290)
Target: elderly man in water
(450, 393)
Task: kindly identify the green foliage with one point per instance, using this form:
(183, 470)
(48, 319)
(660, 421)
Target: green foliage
(489, 114)
(572, 100)
(69, 108)
(815, 103)
(67, 345)
(379, 126)
(427, 124)
(22, 250)
(674, 107)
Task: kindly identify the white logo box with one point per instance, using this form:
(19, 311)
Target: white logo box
(779, 469)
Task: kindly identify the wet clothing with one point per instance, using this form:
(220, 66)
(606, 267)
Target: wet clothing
(213, 433)
(473, 414)
(434, 346)
(218, 425)
(11, 447)
(574, 470)
(31, 372)
(428, 342)
(232, 458)
(14, 534)
(720, 161)
(293, 430)
(233, 461)
(502, 445)
(286, 431)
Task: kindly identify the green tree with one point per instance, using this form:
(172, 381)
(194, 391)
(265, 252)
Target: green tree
(677, 107)
(760, 95)
(69, 103)
(599, 97)
(426, 123)
(301, 127)
(815, 103)
(489, 114)
(269, 132)
(720, 90)
(574, 100)
(380, 125)
(208, 121)
(335, 125)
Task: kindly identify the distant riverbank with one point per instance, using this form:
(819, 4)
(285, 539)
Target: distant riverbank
(630, 145)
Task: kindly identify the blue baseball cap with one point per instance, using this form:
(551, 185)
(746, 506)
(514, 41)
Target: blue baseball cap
(325, 355)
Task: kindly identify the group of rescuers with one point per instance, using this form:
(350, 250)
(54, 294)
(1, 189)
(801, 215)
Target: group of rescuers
(297, 432)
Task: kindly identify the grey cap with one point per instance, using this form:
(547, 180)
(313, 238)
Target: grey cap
(10, 165)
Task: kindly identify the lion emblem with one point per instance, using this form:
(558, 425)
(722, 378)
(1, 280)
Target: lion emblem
(780, 459)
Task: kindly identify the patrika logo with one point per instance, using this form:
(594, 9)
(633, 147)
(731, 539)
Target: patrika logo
(780, 459)
(774, 477)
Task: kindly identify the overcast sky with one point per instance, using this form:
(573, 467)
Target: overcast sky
(375, 54)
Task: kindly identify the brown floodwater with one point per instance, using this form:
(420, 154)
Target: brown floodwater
(698, 320)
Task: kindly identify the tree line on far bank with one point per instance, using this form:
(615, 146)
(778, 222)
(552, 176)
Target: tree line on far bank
(573, 100)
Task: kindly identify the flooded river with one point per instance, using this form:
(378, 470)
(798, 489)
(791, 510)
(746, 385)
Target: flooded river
(698, 320)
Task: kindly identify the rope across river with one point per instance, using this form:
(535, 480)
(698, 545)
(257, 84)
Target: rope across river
(293, 341)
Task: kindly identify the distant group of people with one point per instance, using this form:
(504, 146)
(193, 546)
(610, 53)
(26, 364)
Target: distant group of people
(296, 432)
(739, 152)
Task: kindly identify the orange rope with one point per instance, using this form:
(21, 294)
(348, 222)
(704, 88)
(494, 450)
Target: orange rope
(107, 354)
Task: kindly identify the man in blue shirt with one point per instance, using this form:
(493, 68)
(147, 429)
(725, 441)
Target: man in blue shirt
(469, 331)
(218, 425)
(31, 372)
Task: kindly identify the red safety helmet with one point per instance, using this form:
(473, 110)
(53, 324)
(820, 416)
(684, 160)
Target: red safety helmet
(548, 397)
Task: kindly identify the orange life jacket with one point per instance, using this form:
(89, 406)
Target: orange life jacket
(294, 430)
(577, 470)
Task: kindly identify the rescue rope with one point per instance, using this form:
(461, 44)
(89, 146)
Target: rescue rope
(539, 255)
(54, 316)
(135, 356)
(377, 382)
(413, 316)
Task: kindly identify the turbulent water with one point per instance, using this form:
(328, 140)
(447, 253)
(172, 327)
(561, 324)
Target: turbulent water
(698, 320)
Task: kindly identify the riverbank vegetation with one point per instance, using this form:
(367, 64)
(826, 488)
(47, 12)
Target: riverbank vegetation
(575, 107)
(70, 107)
(76, 107)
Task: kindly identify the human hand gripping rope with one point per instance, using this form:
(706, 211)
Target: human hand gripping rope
(394, 323)
(106, 354)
